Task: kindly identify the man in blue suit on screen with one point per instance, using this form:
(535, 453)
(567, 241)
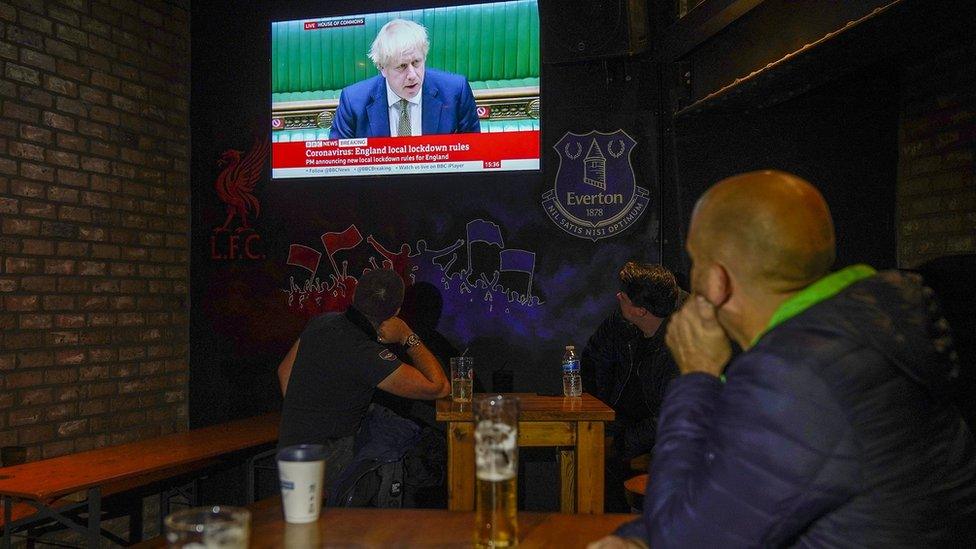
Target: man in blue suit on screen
(405, 98)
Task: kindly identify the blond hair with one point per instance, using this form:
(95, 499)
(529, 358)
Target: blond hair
(396, 37)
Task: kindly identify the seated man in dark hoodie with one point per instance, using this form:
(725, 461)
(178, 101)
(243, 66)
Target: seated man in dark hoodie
(330, 374)
(833, 427)
(626, 364)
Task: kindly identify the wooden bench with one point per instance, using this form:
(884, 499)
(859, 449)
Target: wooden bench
(47, 490)
(635, 489)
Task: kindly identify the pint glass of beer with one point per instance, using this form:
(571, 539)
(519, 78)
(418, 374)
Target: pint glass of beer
(496, 463)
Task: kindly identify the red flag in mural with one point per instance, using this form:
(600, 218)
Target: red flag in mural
(346, 240)
(303, 256)
(334, 242)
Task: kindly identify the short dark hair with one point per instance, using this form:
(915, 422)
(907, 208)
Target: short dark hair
(379, 294)
(650, 286)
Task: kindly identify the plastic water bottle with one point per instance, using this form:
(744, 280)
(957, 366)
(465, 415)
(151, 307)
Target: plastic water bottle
(572, 384)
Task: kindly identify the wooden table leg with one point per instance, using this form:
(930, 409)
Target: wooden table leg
(94, 516)
(567, 480)
(589, 467)
(460, 466)
(8, 532)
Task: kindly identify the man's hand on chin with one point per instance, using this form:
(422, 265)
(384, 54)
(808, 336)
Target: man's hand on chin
(696, 339)
(393, 330)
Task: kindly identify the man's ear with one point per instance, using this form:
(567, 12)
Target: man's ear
(718, 285)
(622, 298)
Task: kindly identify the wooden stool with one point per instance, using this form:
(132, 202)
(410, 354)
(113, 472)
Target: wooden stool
(634, 489)
(640, 463)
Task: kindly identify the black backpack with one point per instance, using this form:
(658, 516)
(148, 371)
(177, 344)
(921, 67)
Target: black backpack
(370, 483)
(394, 460)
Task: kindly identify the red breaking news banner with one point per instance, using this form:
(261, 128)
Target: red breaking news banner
(423, 154)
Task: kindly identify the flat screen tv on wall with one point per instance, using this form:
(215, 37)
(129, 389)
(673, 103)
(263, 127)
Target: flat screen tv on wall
(357, 94)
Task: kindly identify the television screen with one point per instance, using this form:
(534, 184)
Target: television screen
(436, 90)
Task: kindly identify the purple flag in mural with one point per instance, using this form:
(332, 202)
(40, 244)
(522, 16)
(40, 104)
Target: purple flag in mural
(480, 230)
(517, 260)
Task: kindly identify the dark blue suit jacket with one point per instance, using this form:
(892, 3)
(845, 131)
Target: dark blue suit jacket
(448, 107)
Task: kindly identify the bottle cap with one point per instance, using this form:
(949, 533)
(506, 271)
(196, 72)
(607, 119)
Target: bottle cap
(571, 347)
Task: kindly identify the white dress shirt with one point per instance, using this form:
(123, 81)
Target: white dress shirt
(414, 105)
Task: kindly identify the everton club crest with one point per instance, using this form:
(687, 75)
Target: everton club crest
(596, 194)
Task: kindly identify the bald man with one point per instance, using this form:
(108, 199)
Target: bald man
(832, 428)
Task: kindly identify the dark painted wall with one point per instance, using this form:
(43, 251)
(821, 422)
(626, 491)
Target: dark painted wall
(841, 136)
(248, 309)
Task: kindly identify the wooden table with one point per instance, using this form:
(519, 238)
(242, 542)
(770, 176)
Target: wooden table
(342, 527)
(575, 425)
(44, 485)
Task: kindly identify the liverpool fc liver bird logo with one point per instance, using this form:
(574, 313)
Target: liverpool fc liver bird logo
(236, 182)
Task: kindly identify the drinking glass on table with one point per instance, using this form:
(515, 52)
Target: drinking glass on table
(462, 378)
(496, 469)
(218, 527)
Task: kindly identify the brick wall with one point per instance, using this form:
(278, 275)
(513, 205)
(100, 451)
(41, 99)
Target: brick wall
(94, 195)
(937, 141)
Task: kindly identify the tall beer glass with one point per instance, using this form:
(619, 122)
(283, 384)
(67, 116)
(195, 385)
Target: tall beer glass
(496, 462)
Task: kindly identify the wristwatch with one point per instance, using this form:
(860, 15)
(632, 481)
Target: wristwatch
(412, 341)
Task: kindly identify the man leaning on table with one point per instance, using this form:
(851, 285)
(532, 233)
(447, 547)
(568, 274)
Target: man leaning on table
(833, 427)
(330, 374)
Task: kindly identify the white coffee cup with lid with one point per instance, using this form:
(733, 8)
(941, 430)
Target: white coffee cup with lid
(301, 471)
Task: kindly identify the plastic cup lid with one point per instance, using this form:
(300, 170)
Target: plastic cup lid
(302, 452)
